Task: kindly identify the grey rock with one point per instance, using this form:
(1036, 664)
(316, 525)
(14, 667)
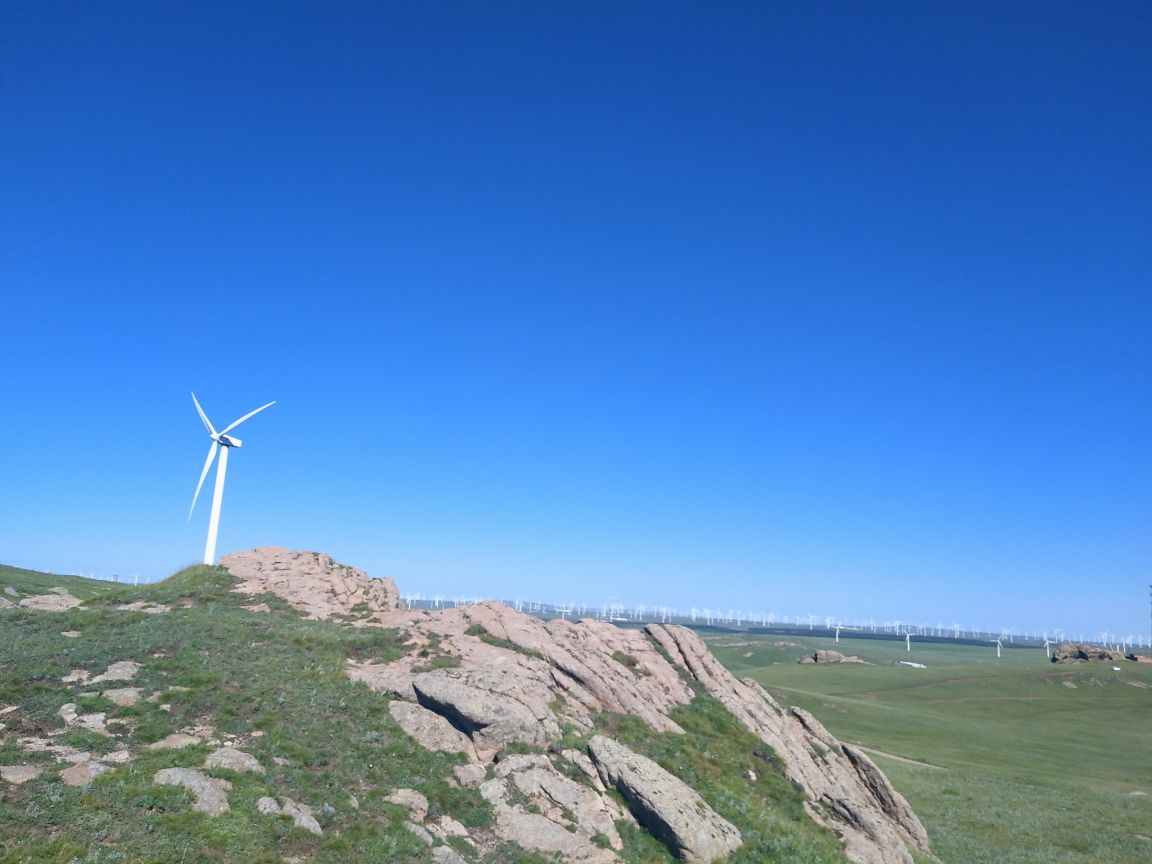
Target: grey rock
(211, 794)
(667, 806)
(411, 800)
(447, 855)
(234, 760)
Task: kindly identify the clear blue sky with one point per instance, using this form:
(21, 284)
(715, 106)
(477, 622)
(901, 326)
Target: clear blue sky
(840, 308)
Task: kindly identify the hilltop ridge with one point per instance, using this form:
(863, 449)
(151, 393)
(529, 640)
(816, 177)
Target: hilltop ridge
(526, 740)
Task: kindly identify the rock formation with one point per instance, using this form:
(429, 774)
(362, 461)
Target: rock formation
(667, 806)
(1075, 652)
(823, 656)
(484, 680)
(312, 582)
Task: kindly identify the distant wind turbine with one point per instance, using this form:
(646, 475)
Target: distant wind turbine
(223, 442)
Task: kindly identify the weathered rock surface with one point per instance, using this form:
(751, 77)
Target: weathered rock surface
(175, 741)
(124, 670)
(61, 600)
(83, 773)
(234, 760)
(124, 696)
(411, 800)
(17, 774)
(571, 814)
(300, 814)
(1074, 652)
(431, 730)
(823, 656)
(667, 806)
(875, 822)
(484, 679)
(312, 582)
(211, 794)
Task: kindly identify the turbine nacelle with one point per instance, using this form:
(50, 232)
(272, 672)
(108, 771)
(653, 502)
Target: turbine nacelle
(227, 441)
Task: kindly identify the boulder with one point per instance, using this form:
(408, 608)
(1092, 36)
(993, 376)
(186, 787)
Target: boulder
(17, 774)
(490, 723)
(664, 804)
(431, 731)
(234, 760)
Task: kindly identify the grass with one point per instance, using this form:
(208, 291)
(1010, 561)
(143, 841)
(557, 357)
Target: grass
(274, 681)
(717, 757)
(276, 684)
(1021, 761)
(28, 582)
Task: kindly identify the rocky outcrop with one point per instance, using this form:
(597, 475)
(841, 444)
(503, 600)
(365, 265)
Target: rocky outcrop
(873, 819)
(541, 810)
(667, 806)
(823, 656)
(313, 583)
(488, 681)
(1076, 652)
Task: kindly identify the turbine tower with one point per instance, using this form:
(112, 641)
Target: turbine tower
(223, 442)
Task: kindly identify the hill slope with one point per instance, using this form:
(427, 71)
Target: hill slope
(189, 722)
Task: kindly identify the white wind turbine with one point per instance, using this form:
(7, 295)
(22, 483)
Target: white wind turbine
(223, 442)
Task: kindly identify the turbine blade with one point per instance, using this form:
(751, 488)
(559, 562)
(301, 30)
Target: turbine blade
(207, 464)
(203, 416)
(245, 417)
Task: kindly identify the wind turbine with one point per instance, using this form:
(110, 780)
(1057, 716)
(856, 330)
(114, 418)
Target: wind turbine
(223, 442)
(999, 645)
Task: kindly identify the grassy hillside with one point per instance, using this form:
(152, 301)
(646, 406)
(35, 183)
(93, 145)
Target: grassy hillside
(1014, 760)
(275, 686)
(26, 582)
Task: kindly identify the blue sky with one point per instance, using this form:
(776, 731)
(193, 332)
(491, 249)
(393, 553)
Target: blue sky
(839, 308)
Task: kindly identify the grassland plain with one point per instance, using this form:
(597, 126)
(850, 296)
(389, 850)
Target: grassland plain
(276, 684)
(1009, 761)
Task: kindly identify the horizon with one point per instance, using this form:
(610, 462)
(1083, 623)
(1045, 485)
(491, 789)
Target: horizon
(833, 307)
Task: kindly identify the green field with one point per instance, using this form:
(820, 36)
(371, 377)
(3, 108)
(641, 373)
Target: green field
(1011, 760)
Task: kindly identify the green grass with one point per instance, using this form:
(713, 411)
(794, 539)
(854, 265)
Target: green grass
(715, 756)
(277, 683)
(273, 680)
(29, 582)
(1026, 769)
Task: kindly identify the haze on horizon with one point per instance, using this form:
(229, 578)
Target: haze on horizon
(834, 308)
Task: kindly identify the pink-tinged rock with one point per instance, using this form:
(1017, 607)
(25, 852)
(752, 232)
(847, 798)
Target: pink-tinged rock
(312, 582)
(83, 773)
(17, 774)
